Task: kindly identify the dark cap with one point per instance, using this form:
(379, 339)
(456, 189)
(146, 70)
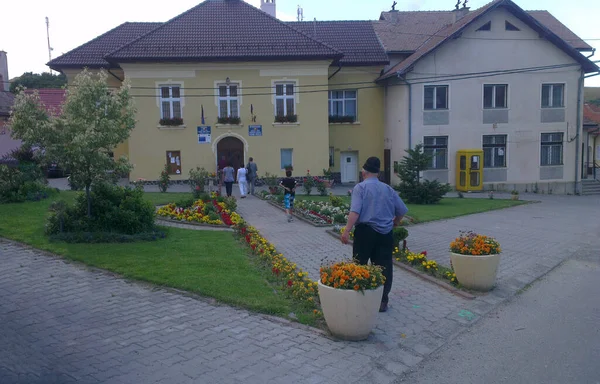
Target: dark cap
(372, 165)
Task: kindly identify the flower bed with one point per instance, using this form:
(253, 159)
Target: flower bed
(209, 211)
(319, 213)
(420, 262)
(292, 279)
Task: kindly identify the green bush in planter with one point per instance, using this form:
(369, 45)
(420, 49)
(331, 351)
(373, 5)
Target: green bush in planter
(400, 234)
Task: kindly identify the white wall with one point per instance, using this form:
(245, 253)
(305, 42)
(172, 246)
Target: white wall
(496, 50)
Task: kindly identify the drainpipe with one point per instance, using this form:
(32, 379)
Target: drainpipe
(115, 76)
(579, 110)
(409, 110)
(336, 71)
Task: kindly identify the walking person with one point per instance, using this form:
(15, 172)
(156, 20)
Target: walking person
(289, 193)
(228, 178)
(375, 210)
(252, 174)
(241, 179)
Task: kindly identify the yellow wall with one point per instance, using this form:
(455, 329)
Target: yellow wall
(365, 135)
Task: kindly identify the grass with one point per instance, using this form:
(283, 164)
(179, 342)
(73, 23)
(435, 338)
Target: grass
(449, 207)
(209, 263)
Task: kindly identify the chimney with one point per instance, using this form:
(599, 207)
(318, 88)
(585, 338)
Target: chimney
(4, 72)
(459, 13)
(268, 6)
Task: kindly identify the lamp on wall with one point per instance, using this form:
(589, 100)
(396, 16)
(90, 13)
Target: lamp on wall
(227, 81)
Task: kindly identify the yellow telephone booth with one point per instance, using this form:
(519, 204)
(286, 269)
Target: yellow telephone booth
(469, 170)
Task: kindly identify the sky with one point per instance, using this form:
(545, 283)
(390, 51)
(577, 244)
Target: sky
(23, 27)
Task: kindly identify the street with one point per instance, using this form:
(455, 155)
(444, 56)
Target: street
(548, 334)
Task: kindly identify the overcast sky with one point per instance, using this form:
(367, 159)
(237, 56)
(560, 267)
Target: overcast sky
(23, 27)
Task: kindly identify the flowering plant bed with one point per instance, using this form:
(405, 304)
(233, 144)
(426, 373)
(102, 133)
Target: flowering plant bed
(312, 218)
(207, 212)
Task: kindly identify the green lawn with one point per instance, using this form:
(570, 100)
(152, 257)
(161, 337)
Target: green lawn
(210, 263)
(448, 207)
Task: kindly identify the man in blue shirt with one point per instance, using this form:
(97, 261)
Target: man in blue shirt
(375, 209)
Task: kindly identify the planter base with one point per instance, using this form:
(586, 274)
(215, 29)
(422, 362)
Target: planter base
(350, 315)
(475, 272)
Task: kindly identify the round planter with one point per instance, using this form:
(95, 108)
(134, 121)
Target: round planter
(350, 315)
(515, 197)
(475, 272)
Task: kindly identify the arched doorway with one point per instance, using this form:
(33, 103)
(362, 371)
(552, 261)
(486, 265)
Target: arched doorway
(231, 149)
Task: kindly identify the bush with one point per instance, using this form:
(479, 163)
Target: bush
(400, 234)
(321, 187)
(308, 184)
(17, 186)
(336, 201)
(426, 192)
(185, 203)
(164, 179)
(114, 209)
(197, 180)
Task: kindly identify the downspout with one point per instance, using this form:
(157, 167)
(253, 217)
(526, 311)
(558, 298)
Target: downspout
(409, 111)
(336, 71)
(115, 76)
(579, 110)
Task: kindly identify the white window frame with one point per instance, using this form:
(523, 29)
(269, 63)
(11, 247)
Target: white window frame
(343, 99)
(170, 100)
(495, 147)
(494, 96)
(435, 148)
(285, 96)
(552, 147)
(228, 98)
(435, 87)
(551, 98)
(282, 165)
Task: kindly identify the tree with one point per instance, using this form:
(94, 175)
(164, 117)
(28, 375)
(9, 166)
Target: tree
(38, 81)
(94, 121)
(411, 188)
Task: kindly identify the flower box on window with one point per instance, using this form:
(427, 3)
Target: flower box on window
(286, 118)
(229, 120)
(174, 121)
(341, 119)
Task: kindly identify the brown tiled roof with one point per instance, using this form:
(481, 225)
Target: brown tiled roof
(91, 54)
(357, 40)
(224, 30)
(6, 102)
(51, 98)
(591, 113)
(435, 40)
(406, 31)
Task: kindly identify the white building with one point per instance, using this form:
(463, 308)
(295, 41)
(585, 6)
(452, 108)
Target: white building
(499, 79)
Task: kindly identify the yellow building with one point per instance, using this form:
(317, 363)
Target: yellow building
(210, 90)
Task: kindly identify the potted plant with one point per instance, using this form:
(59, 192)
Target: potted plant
(350, 295)
(475, 258)
(271, 181)
(328, 177)
(514, 194)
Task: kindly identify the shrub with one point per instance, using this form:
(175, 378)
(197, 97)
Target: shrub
(339, 218)
(164, 179)
(185, 203)
(17, 186)
(308, 184)
(114, 209)
(400, 233)
(321, 187)
(198, 179)
(336, 201)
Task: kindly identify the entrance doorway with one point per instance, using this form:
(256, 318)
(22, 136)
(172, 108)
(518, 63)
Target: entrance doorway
(232, 150)
(349, 167)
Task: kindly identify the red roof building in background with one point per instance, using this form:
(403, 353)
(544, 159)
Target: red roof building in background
(52, 99)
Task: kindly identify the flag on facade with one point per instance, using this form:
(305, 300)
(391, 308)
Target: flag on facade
(202, 106)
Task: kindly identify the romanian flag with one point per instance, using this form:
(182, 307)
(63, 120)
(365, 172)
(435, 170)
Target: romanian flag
(202, 106)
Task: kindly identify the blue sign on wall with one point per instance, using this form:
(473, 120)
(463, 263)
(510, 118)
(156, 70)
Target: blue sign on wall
(255, 130)
(204, 134)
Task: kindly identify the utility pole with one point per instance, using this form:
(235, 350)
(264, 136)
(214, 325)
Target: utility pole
(48, 37)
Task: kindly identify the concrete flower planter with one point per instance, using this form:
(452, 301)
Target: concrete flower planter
(475, 272)
(350, 315)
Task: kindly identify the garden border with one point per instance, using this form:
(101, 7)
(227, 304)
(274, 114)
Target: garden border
(431, 279)
(300, 217)
(166, 221)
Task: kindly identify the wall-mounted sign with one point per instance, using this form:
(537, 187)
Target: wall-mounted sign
(204, 134)
(255, 130)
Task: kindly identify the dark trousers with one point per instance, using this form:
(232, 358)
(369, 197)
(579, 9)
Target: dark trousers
(228, 187)
(378, 247)
(251, 184)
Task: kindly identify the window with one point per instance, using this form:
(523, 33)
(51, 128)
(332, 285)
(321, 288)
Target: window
(170, 101)
(486, 27)
(174, 162)
(285, 100)
(495, 96)
(552, 149)
(494, 151)
(509, 27)
(553, 96)
(228, 101)
(436, 146)
(287, 157)
(436, 97)
(331, 156)
(342, 103)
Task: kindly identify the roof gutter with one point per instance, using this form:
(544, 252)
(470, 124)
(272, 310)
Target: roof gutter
(593, 52)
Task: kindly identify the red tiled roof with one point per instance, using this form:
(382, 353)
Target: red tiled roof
(591, 114)
(91, 54)
(357, 40)
(217, 30)
(52, 99)
(444, 34)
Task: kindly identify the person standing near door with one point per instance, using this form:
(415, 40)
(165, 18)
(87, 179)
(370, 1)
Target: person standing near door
(252, 174)
(241, 179)
(375, 209)
(228, 178)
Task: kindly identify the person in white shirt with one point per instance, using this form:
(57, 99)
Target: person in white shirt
(241, 178)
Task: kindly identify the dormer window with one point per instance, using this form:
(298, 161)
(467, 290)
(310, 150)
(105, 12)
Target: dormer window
(486, 27)
(509, 27)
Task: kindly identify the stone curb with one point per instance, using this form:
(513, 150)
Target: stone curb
(431, 279)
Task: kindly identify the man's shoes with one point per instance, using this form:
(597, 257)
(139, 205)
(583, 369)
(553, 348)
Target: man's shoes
(383, 307)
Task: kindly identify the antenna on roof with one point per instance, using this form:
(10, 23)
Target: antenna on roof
(315, 27)
(300, 13)
(50, 49)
